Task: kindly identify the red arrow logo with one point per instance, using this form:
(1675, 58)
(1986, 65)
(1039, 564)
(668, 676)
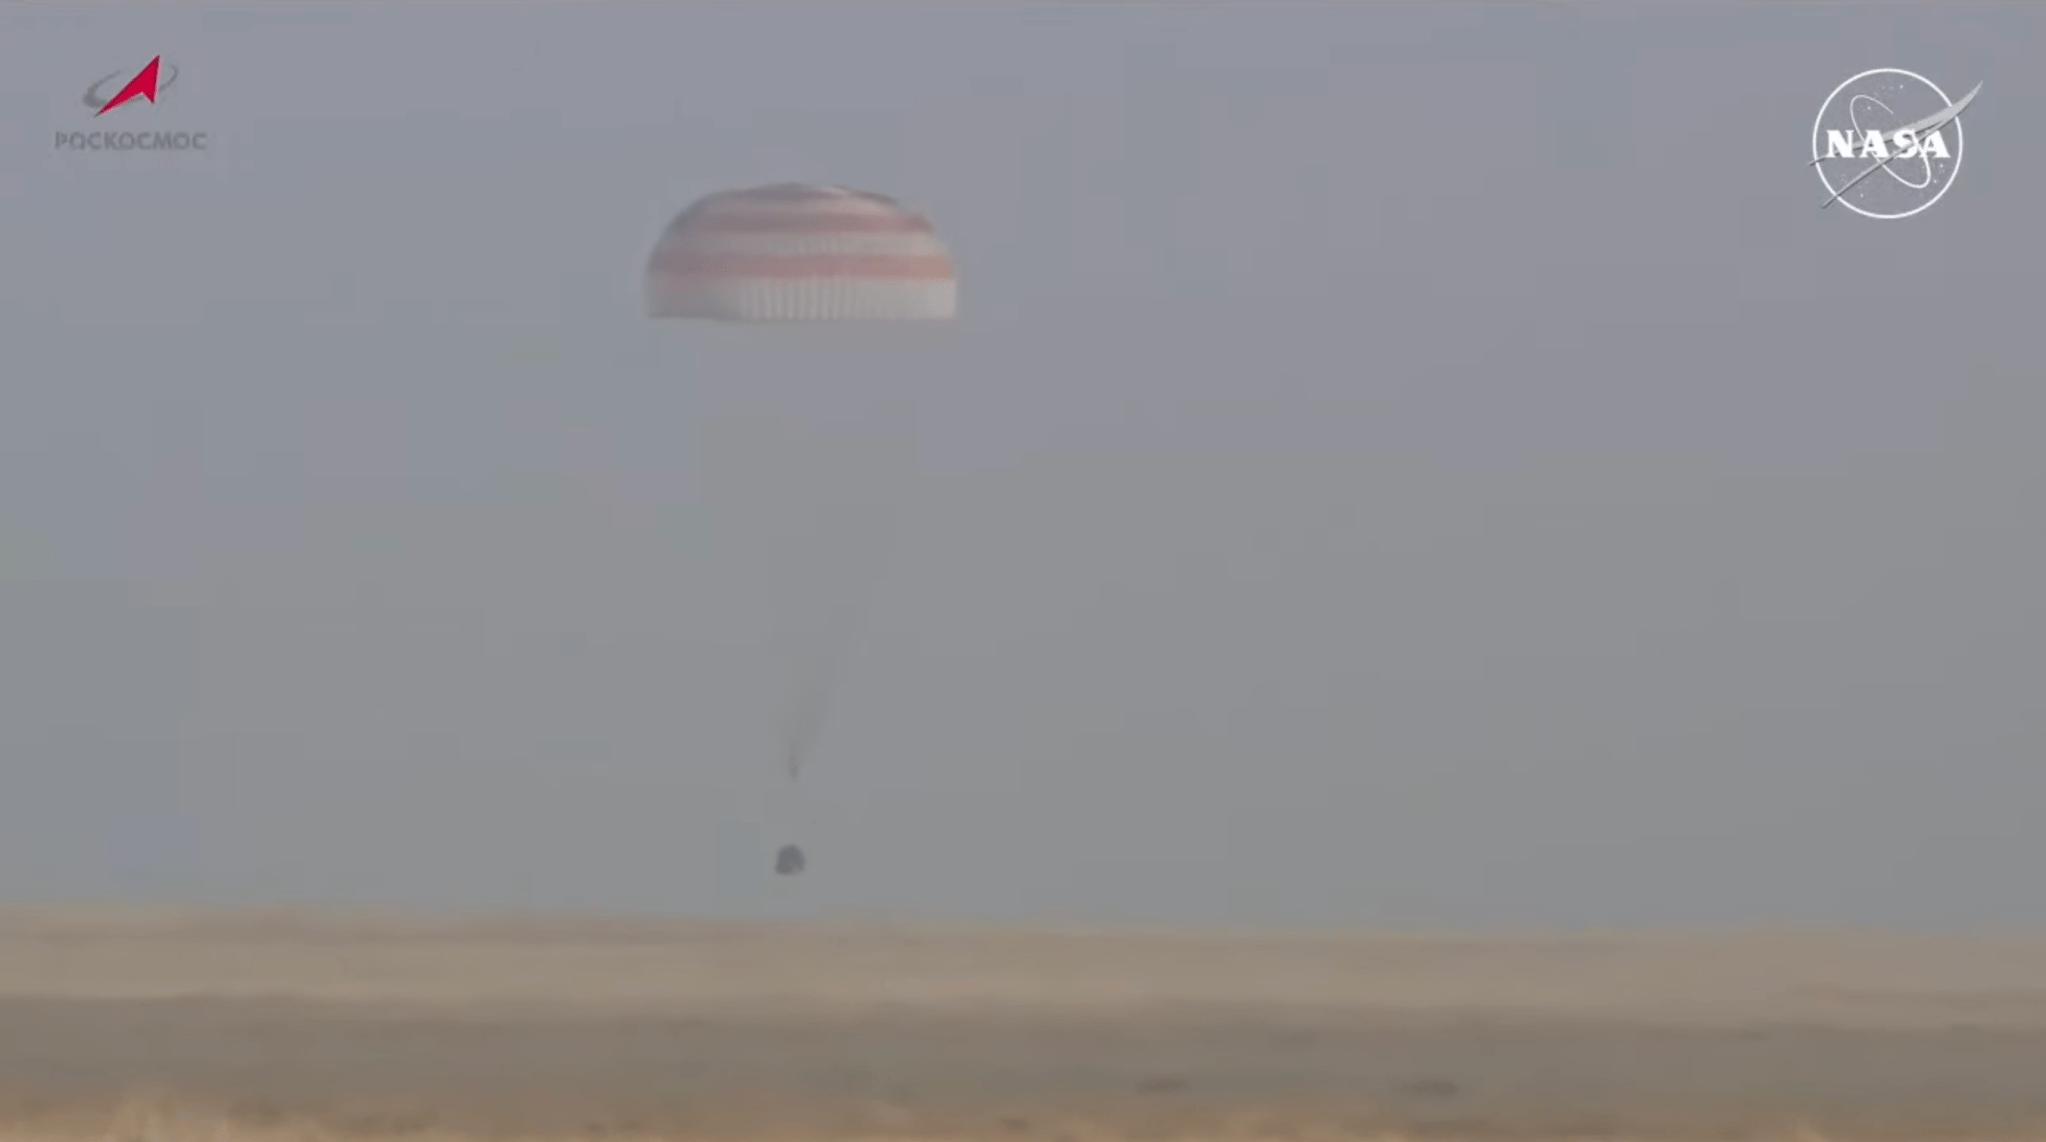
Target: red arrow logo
(143, 85)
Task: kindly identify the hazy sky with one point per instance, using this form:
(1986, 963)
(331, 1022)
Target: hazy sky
(1421, 464)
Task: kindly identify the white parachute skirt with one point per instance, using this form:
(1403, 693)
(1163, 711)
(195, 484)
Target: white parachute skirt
(788, 300)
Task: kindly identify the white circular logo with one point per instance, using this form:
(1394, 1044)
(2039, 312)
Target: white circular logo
(1887, 143)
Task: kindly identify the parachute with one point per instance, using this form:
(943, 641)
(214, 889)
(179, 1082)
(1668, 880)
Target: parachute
(845, 273)
(798, 253)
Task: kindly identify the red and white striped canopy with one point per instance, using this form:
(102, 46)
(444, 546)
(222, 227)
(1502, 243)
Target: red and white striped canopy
(794, 252)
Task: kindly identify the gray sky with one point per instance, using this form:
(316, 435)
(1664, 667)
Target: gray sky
(1424, 464)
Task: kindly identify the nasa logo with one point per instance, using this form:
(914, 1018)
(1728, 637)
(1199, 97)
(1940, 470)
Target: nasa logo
(1894, 121)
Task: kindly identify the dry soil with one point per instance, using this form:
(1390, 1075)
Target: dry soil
(140, 1026)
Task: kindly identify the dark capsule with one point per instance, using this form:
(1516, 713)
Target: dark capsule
(789, 861)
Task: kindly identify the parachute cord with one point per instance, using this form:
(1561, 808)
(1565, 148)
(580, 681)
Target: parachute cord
(818, 681)
(817, 685)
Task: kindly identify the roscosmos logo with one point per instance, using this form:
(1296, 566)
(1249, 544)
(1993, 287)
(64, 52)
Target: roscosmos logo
(145, 86)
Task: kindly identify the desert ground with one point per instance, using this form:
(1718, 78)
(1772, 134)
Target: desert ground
(127, 1025)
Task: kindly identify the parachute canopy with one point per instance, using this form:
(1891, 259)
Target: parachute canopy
(797, 252)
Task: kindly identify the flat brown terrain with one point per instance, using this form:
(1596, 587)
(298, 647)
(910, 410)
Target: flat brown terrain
(136, 1026)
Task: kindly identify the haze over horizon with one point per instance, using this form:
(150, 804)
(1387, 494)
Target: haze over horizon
(1540, 528)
